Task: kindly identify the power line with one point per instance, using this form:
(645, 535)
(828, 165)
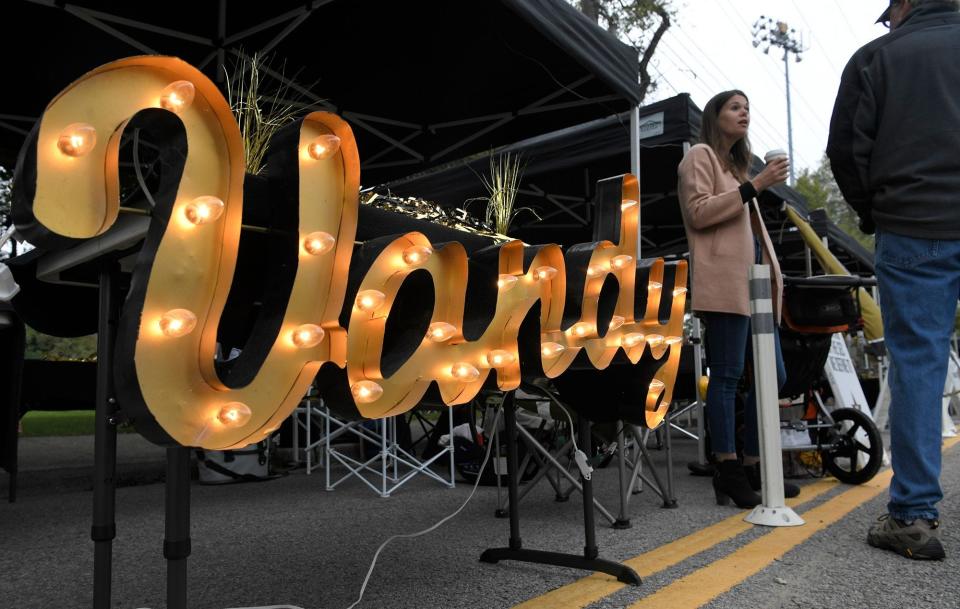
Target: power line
(766, 67)
(709, 89)
(763, 129)
(758, 127)
(661, 75)
(853, 34)
(816, 41)
(778, 34)
(712, 63)
(774, 76)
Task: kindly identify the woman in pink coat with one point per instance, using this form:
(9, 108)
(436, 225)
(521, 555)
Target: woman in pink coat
(726, 235)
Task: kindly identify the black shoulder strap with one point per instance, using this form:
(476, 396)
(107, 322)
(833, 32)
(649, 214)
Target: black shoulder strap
(216, 467)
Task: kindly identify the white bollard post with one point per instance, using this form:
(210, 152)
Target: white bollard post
(773, 512)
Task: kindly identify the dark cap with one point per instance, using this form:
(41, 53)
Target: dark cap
(885, 17)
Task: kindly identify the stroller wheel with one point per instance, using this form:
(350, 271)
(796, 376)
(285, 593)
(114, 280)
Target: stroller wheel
(853, 448)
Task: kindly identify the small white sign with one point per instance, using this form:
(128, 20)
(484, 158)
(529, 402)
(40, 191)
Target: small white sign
(847, 392)
(842, 376)
(650, 125)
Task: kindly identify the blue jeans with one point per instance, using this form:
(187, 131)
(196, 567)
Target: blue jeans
(729, 344)
(919, 282)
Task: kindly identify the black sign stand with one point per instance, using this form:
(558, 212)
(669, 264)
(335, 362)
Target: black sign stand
(104, 527)
(176, 544)
(589, 561)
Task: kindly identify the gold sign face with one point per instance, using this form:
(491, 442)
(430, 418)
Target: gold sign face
(165, 374)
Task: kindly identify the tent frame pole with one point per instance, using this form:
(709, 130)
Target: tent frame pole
(635, 160)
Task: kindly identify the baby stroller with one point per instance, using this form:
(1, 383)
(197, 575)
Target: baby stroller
(814, 308)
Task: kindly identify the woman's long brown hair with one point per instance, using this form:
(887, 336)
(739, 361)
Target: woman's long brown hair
(738, 158)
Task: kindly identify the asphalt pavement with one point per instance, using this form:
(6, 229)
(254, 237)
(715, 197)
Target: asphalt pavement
(289, 542)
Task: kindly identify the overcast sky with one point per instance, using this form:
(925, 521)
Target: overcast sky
(708, 49)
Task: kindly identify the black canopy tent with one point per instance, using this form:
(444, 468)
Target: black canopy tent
(560, 170)
(441, 79)
(420, 82)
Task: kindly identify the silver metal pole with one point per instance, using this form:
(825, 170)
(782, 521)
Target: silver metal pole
(773, 511)
(786, 65)
(453, 471)
(635, 160)
(623, 521)
(697, 341)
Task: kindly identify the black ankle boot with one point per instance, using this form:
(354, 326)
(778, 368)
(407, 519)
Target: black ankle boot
(753, 475)
(730, 482)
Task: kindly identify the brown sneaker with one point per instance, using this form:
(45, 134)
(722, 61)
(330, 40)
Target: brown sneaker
(918, 539)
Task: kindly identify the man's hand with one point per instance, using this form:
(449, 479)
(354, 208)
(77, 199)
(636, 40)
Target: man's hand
(866, 225)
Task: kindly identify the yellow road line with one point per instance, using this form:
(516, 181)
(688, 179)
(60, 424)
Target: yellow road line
(703, 585)
(588, 590)
(591, 589)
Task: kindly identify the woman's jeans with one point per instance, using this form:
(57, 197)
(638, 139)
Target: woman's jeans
(919, 282)
(729, 344)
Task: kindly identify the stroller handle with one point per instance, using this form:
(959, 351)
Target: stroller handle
(846, 281)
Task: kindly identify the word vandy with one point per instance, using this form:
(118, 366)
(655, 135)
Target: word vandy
(166, 380)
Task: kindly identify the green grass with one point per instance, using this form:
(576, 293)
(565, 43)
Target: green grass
(61, 423)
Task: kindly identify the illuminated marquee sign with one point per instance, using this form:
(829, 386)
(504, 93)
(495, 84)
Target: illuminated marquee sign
(165, 373)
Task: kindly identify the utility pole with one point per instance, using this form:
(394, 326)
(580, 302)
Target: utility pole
(768, 32)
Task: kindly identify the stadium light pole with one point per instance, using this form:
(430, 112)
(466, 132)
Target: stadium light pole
(771, 33)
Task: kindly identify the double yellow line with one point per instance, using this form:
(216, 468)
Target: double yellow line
(705, 584)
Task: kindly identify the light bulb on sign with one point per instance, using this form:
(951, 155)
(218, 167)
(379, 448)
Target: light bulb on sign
(77, 139)
(626, 204)
(581, 329)
(365, 392)
(370, 300)
(416, 254)
(178, 322)
(616, 321)
(440, 331)
(620, 262)
(673, 340)
(679, 291)
(203, 210)
(318, 242)
(594, 270)
(499, 358)
(462, 371)
(551, 349)
(505, 282)
(177, 96)
(234, 414)
(654, 285)
(307, 335)
(654, 340)
(656, 386)
(544, 273)
(632, 339)
(323, 147)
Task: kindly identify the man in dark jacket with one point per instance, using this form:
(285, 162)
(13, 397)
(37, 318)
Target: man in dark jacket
(895, 151)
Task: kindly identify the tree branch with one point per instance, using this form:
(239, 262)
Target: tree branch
(645, 80)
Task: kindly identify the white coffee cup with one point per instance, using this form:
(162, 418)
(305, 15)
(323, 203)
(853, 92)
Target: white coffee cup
(776, 153)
